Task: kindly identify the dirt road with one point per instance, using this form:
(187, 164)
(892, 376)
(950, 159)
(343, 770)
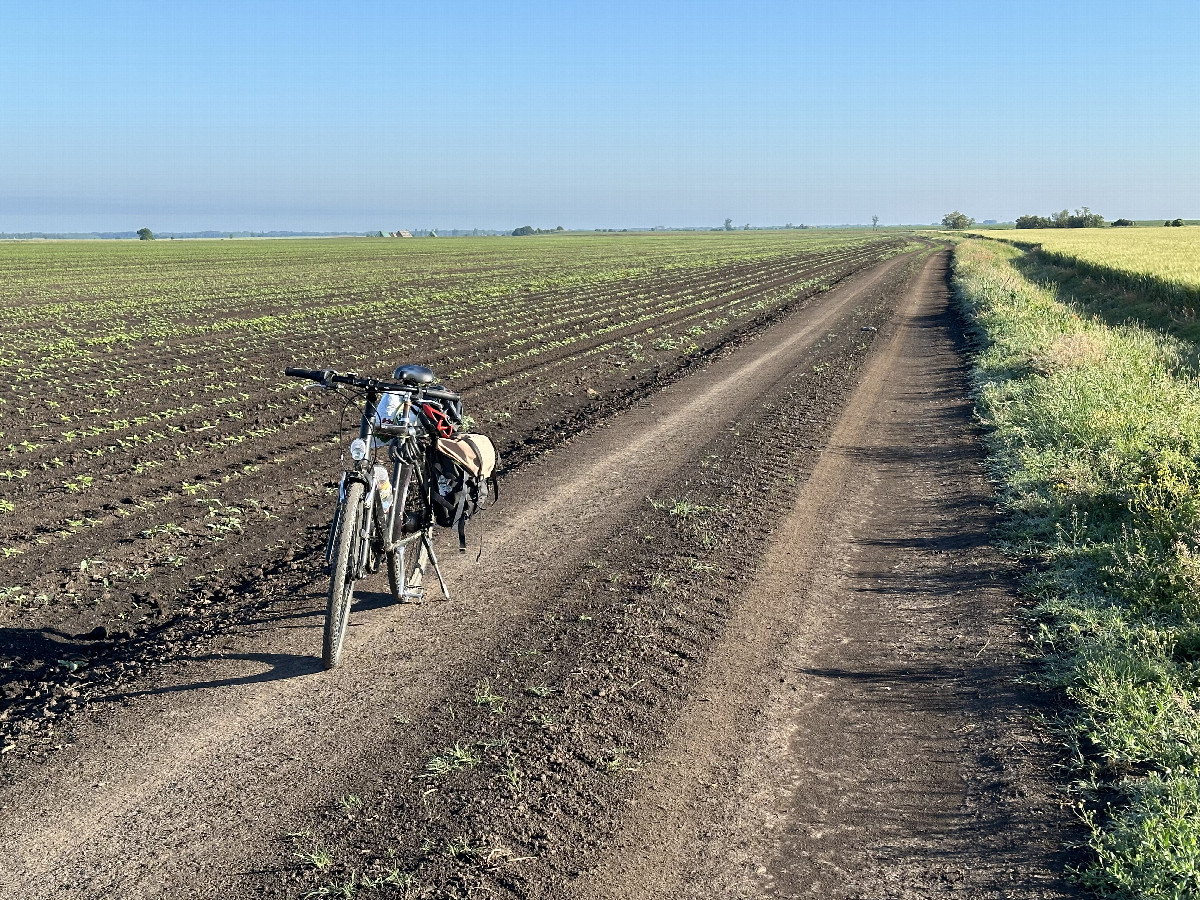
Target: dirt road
(744, 639)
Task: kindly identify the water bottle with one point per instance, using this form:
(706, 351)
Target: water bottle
(383, 485)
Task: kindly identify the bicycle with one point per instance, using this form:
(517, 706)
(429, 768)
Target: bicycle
(380, 517)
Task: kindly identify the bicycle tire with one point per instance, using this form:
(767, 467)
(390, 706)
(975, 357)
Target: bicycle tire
(341, 578)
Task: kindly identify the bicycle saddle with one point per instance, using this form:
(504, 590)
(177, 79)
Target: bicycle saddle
(412, 374)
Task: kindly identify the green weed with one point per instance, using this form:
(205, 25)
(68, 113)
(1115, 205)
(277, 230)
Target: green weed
(453, 759)
(485, 696)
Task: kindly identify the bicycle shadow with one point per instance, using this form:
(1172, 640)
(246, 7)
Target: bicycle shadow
(309, 611)
(278, 666)
(367, 601)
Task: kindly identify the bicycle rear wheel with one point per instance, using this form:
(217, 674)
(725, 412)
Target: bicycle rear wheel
(341, 576)
(406, 570)
(407, 562)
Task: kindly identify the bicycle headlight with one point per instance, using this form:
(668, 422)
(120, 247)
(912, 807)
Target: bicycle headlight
(358, 449)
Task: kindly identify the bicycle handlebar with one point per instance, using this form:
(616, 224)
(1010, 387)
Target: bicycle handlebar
(328, 377)
(293, 372)
(440, 395)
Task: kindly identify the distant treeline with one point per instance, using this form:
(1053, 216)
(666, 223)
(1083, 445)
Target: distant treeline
(1081, 218)
(525, 230)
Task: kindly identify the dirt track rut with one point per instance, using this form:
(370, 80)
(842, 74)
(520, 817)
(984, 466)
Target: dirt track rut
(188, 783)
(859, 732)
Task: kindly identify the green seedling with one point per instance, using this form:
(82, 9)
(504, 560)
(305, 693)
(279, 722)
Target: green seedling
(485, 696)
(455, 758)
(461, 849)
(319, 858)
(684, 509)
(617, 762)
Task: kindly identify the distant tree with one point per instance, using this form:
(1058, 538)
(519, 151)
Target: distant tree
(1177, 223)
(145, 234)
(874, 221)
(729, 224)
(746, 227)
(1085, 218)
(522, 231)
(957, 220)
(1122, 223)
(1034, 222)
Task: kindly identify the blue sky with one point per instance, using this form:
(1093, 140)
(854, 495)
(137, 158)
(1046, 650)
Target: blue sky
(325, 116)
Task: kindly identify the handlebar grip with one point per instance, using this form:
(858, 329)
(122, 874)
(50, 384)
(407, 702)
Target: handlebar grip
(293, 372)
(441, 395)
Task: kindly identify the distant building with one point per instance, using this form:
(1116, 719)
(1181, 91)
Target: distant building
(399, 234)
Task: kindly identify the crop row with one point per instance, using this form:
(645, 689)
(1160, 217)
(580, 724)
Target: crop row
(535, 322)
(169, 451)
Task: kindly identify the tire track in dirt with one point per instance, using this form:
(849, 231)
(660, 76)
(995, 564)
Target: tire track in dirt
(185, 784)
(859, 732)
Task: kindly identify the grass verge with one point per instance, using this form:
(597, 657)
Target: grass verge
(1094, 441)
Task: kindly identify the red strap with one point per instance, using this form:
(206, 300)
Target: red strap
(444, 428)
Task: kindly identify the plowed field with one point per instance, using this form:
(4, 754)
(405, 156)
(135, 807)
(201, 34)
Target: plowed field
(154, 463)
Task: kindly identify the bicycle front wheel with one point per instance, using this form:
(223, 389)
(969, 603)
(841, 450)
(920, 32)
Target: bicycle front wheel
(341, 576)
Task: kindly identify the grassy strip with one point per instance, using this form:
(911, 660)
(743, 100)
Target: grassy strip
(1094, 440)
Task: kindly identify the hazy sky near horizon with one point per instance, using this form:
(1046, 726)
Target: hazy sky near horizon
(325, 116)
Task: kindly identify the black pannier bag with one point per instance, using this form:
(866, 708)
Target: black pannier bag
(464, 481)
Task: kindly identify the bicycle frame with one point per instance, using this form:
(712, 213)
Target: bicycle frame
(409, 457)
(376, 504)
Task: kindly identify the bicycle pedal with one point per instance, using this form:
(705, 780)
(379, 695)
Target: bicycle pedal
(414, 595)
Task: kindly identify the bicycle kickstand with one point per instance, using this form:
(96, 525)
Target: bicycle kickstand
(433, 559)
